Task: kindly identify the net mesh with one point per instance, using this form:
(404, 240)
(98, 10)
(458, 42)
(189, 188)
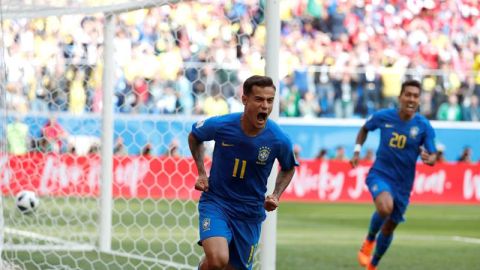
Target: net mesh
(167, 76)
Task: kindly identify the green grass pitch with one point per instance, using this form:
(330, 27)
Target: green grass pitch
(328, 236)
(310, 235)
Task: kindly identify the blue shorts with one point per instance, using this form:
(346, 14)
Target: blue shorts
(376, 185)
(242, 236)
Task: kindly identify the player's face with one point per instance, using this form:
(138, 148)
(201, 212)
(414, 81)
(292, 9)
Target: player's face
(258, 105)
(409, 100)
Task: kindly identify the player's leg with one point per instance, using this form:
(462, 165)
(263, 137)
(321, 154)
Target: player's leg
(244, 244)
(215, 236)
(385, 237)
(376, 222)
(364, 255)
(384, 204)
(384, 240)
(384, 207)
(216, 254)
(381, 192)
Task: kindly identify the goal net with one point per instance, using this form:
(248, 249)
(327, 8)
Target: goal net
(83, 81)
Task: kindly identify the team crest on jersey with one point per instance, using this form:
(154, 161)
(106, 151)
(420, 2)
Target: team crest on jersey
(263, 154)
(200, 123)
(413, 132)
(206, 224)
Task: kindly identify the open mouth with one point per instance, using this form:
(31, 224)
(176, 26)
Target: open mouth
(261, 117)
(411, 106)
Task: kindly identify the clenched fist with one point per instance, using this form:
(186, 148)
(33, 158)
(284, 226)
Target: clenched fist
(202, 183)
(271, 203)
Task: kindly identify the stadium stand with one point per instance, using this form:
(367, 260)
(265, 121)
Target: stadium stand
(339, 58)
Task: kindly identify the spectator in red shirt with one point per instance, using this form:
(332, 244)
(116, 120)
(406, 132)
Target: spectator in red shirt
(53, 135)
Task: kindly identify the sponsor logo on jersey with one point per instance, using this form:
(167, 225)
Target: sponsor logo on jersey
(227, 144)
(388, 125)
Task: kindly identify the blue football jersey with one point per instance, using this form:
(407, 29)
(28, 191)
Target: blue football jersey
(241, 164)
(399, 146)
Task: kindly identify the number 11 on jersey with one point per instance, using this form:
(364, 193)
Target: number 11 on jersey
(242, 170)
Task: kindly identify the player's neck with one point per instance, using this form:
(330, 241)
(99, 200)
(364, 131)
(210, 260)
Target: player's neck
(249, 129)
(405, 116)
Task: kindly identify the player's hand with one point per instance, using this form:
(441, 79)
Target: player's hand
(355, 159)
(202, 183)
(426, 157)
(271, 203)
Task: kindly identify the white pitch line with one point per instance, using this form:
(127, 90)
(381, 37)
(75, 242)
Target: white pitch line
(5, 265)
(148, 259)
(68, 245)
(466, 239)
(456, 238)
(399, 236)
(36, 247)
(43, 237)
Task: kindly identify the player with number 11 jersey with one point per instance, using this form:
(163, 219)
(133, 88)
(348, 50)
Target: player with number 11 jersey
(239, 176)
(233, 202)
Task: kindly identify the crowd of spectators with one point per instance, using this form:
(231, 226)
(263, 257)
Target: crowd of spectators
(338, 58)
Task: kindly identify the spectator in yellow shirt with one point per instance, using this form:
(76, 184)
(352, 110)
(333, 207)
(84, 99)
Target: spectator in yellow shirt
(215, 104)
(17, 137)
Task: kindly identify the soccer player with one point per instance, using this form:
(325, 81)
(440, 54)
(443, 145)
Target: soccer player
(233, 203)
(404, 135)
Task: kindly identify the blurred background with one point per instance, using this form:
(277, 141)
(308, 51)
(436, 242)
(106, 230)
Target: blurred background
(177, 62)
(339, 59)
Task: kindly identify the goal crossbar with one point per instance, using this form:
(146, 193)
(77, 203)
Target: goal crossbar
(16, 10)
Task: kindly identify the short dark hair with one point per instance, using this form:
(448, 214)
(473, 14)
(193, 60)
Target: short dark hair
(262, 81)
(413, 83)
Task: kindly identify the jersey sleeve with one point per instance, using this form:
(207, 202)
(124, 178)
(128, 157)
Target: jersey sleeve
(372, 122)
(204, 130)
(429, 141)
(286, 157)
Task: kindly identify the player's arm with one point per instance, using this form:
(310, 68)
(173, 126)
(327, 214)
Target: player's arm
(361, 138)
(428, 152)
(283, 179)
(198, 153)
(428, 158)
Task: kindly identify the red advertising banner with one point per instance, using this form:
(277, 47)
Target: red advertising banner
(133, 176)
(333, 181)
(165, 177)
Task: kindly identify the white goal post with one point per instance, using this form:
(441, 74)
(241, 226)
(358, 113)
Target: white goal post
(85, 220)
